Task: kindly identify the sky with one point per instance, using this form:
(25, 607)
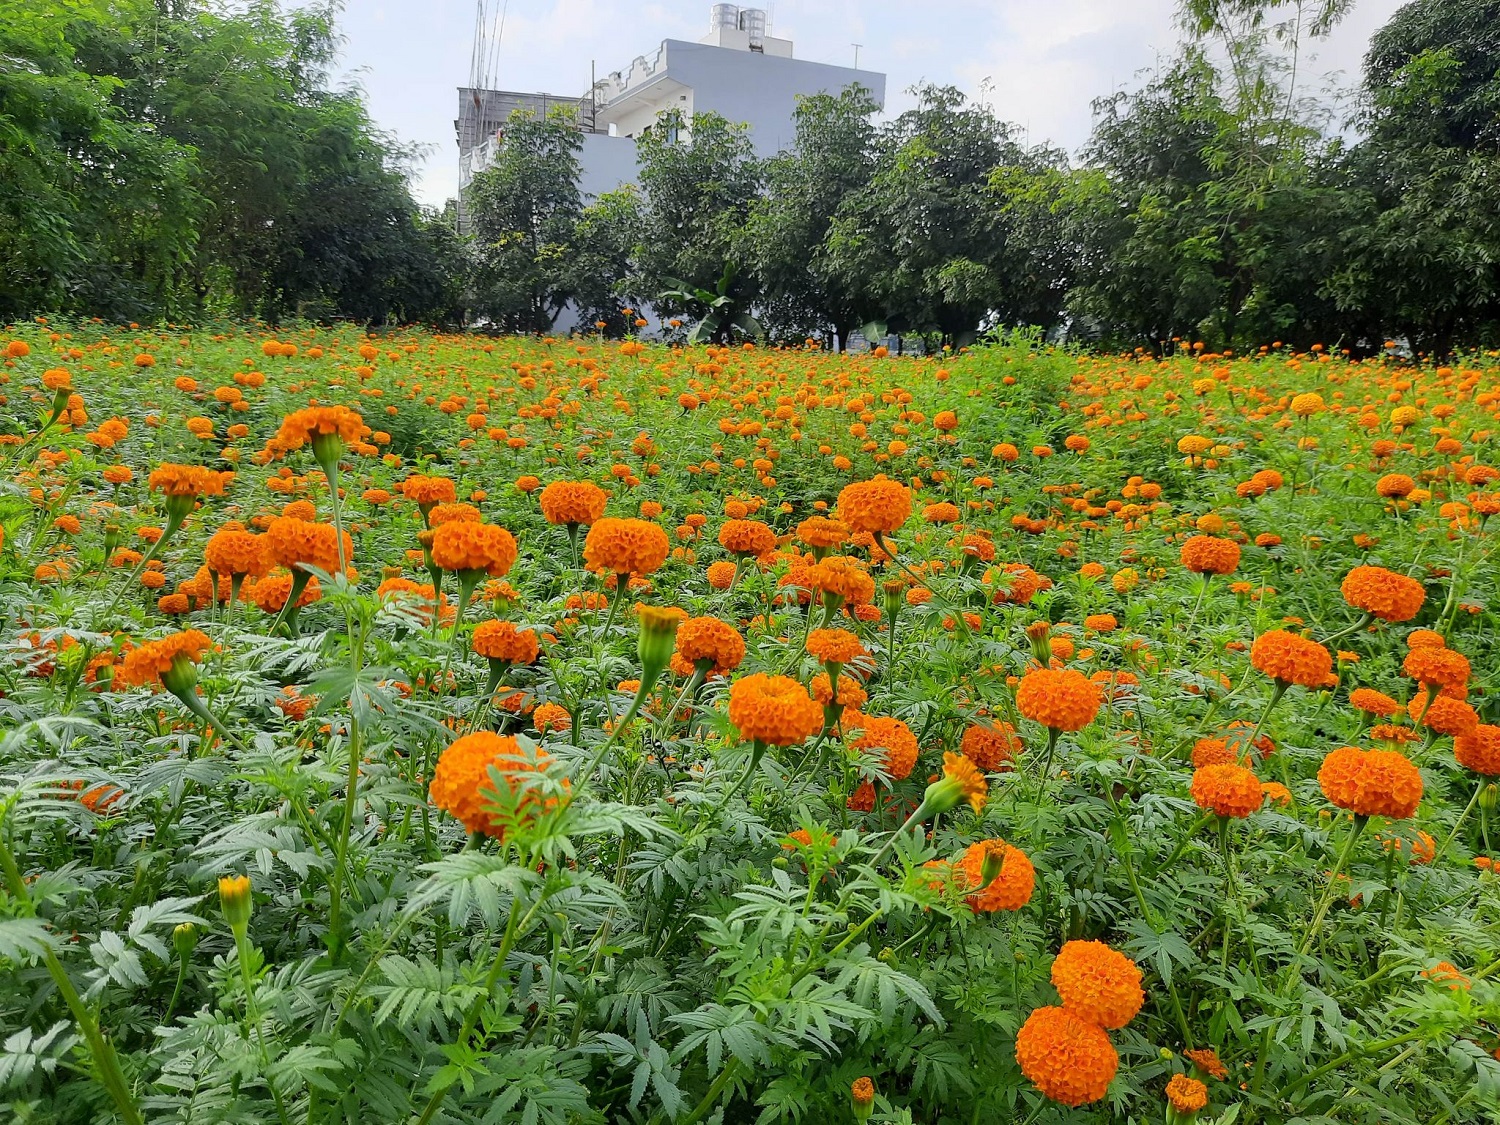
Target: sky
(1038, 63)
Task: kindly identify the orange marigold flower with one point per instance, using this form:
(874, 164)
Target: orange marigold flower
(1207, 1060)
(185, 481)
(463, 787)
(711, 645)
(893, 737)
(1291, 659)
(1070, 1060)
(1205, 554)
(1373, 702)
(1437, 668)
(1010, 886)
(822, 533)
(270, 593)
(1060, 698)
(990, 747)
(1371, 782)
(626, 546)
(148, 662)
(775, 710)
(302, 426)
(1444, 715)
(463, 546)
(747, 537)
(1227, 789)
(834, 646)
(426, 492)
(1395, 485)
(1479, 749)
(1213, 752)
(453, 513)
(573, 503)
(875, 506)
(720, 575)
(234, 551)
(1184, 1094)
(293, 543)
(863, 797)
(501, 640)
(550, 717)
(851, 694)
(840, 576)
(1383, 593)
(1097, 983)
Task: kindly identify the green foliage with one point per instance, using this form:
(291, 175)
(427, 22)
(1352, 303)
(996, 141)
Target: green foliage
(172, 160)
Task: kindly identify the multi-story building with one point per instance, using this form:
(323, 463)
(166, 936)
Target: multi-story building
(737, 70)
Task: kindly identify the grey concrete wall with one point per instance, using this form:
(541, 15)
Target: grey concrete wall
(760, 90)
(604, 164)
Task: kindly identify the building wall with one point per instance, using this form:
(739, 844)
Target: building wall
(604, 164)
(760, 90)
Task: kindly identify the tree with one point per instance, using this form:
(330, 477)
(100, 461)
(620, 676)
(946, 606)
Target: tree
(698, 182)
(174, 158)
(921, 241)
(524, 209)
(833, 157)
(598, 271)
(1424, 253)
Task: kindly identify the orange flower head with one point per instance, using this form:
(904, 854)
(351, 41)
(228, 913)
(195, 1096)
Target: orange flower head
(851, 694)
(1479, 750)
(185, 481)
(1205, 554)
(1373, 702)
(149, 662)
(1186, 1095)
(841, 577)
(1070, 1060)
(1206, 1059)
(822, 533)
(876, 506)
(835, 646)
(1291, 659)
(1213, 752)
(234, 551)
(1371, 782)
(897, 741)
(314, 422)
(990, 747)
(501, 640)
(775, 710)
(747, 537)
(1227, 789)
(1010, 887)
(1059, 698)
(1437, 668)
(1383, 593)
(711, 645)
(293, 543)
(427, 492)
(474, 547)
(573, 503)
(625, 546)
(720, 575)
(1097, 983)
(1444, 715)
(462, 785)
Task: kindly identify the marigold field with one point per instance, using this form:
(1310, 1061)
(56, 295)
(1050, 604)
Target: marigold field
(427, 728)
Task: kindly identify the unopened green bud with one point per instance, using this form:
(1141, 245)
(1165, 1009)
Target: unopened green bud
(184, 939)
(1488, 797)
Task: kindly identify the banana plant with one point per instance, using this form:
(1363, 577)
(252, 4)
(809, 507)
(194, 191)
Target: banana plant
(723, 310)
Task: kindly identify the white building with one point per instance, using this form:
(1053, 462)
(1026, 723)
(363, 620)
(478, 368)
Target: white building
(737, 70)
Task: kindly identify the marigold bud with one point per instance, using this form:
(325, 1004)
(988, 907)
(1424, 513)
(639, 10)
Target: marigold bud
(234, 901)
(184, 939)
(862, 1098)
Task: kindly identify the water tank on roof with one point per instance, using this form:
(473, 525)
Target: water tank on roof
(753, 20)
(724, 16)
